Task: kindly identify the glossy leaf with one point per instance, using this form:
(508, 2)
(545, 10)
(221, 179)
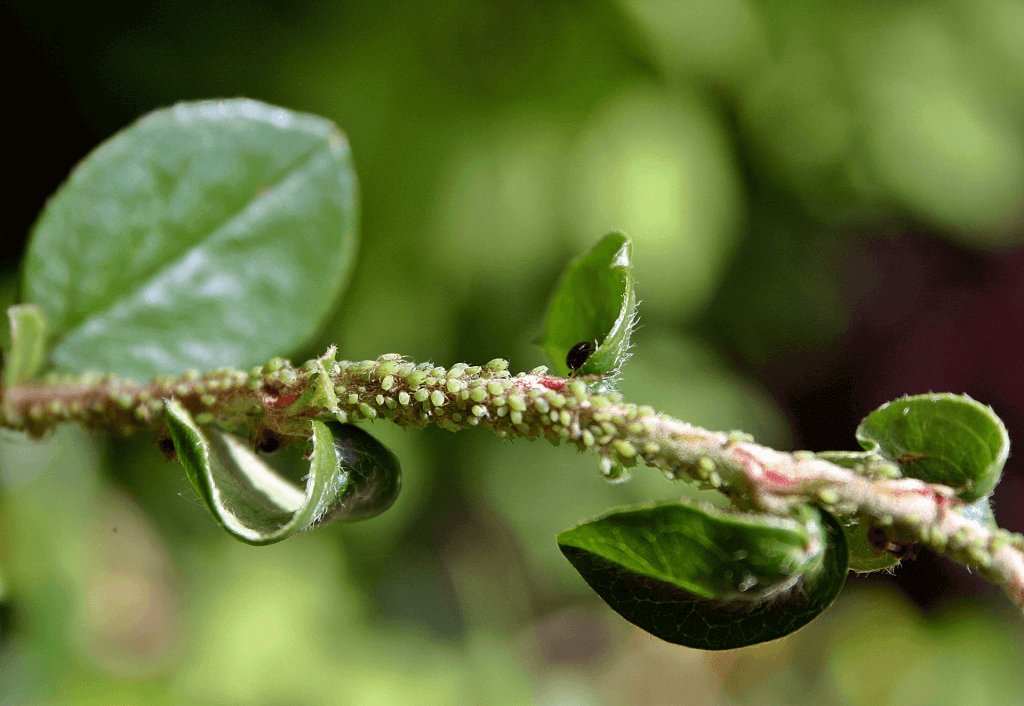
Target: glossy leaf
(257, 505)
(700, 577)
(247, 496)
(207, 234)
(373, 476)
(25, 350)
(866, 553)
(940, 438)
(594, 302)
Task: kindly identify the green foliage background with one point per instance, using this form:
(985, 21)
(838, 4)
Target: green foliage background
(750, 149)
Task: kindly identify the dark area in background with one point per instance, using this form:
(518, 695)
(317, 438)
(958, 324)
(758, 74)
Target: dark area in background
(941, 318)
(48, 135)
(925, 314)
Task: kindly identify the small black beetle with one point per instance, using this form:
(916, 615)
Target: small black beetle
(578, 355)
(267, 442)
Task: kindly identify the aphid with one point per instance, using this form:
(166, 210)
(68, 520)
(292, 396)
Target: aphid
(578, 355)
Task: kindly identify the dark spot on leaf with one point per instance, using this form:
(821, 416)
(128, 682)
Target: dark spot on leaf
(878, 539)
(881, 542)
(166, 447)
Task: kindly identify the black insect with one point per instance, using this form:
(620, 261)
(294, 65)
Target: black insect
(578, 355)
(878, 539)
(166, 447)
(267, 442)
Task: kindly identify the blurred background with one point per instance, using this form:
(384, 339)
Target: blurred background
(827, 207)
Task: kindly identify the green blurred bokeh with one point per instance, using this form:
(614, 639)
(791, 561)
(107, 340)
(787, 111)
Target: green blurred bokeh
(733, 140)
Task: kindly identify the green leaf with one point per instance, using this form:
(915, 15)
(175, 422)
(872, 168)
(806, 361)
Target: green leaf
(373, 475)
(594, 303)
(865, 555)
(940, 438)
(700, 577)
(257, 505)
(26, 349)
(209, 234)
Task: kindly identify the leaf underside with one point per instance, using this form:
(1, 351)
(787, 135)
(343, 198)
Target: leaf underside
(666, 604)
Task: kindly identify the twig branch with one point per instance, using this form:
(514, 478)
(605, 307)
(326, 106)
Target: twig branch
(278, 398)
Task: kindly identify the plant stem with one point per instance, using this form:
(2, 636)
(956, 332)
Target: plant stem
(281, 399)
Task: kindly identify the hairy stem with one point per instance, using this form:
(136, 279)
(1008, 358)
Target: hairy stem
(280, 399)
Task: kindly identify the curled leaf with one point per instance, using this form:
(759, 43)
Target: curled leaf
(257, 505)
(373, 476)
(700, 577)
(940, 438)
(592, 313)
